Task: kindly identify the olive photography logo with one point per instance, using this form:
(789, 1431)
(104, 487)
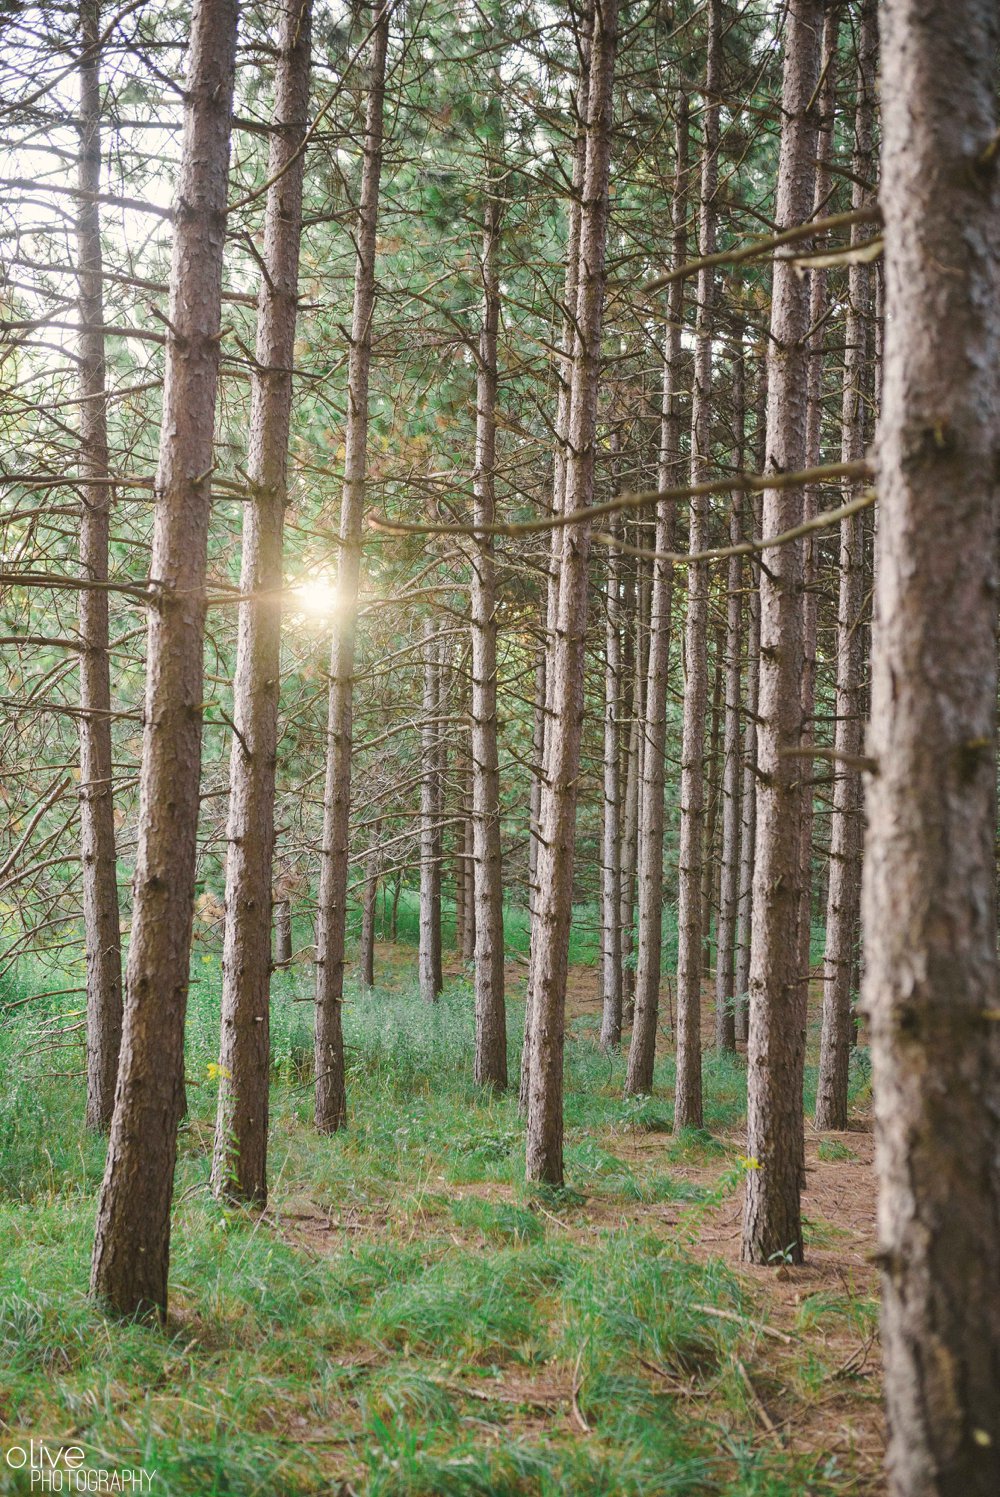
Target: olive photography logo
(45, 1466)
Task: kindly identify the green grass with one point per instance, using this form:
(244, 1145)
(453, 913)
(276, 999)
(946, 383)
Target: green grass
(435, 1327)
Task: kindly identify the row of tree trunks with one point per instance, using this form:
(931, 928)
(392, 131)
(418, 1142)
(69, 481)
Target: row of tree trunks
(239, 1168)
(97, 823)
(132, 1243)
(772, 1214)
(930, 985)
(544, 1153)
(331, 1094)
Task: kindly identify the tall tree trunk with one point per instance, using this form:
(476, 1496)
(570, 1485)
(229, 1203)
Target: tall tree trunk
(97, 818)
(239, 1168)
(772, 1214)
(688, 1101)
(844, 888)
(930, 986)
(564, 373)
(713, 796)
(725, 992)
(611, 825)
(642, 1052)
(491, 1013)
(633, 593)
(132, 1243)
(748, 798)
(331, 1094)
(429, 951)
(537, 777)
(562, 758)
(818, 303)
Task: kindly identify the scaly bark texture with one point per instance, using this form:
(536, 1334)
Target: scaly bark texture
(687, 1097)
(239, 1168)
(544, 1158)
(772, 1222)
(642, 1052)
(132, 1243)
(844, 887)
(930, 987)
(97, 822)
(490, 1067)
(331, 1092)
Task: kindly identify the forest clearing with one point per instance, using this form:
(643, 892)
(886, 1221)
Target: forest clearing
(498, 705)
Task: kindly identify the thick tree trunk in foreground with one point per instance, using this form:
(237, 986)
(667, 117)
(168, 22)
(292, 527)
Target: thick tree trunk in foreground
(844, 888)
(132, 1244)
(331, 1094)
(239, 1169)
(491, 1013)
(97, 818)
(772, 1214)
(687, 1099)
(929, 883)
(429, 954)
(562, 758)
(642, 1052)
(725, 974)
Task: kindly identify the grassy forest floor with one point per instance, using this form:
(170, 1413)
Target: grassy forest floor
(408, 1317)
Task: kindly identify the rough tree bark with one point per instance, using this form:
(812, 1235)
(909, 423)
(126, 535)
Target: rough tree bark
(930, 986)
(687, 1099)
(844, 888)
(239, 1167)
(132, 1243)
(642, 1052)
(725, 990)
(97, 819)
(490, 1067)
(331, 1095)
(562, 758)
(772, 1213)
